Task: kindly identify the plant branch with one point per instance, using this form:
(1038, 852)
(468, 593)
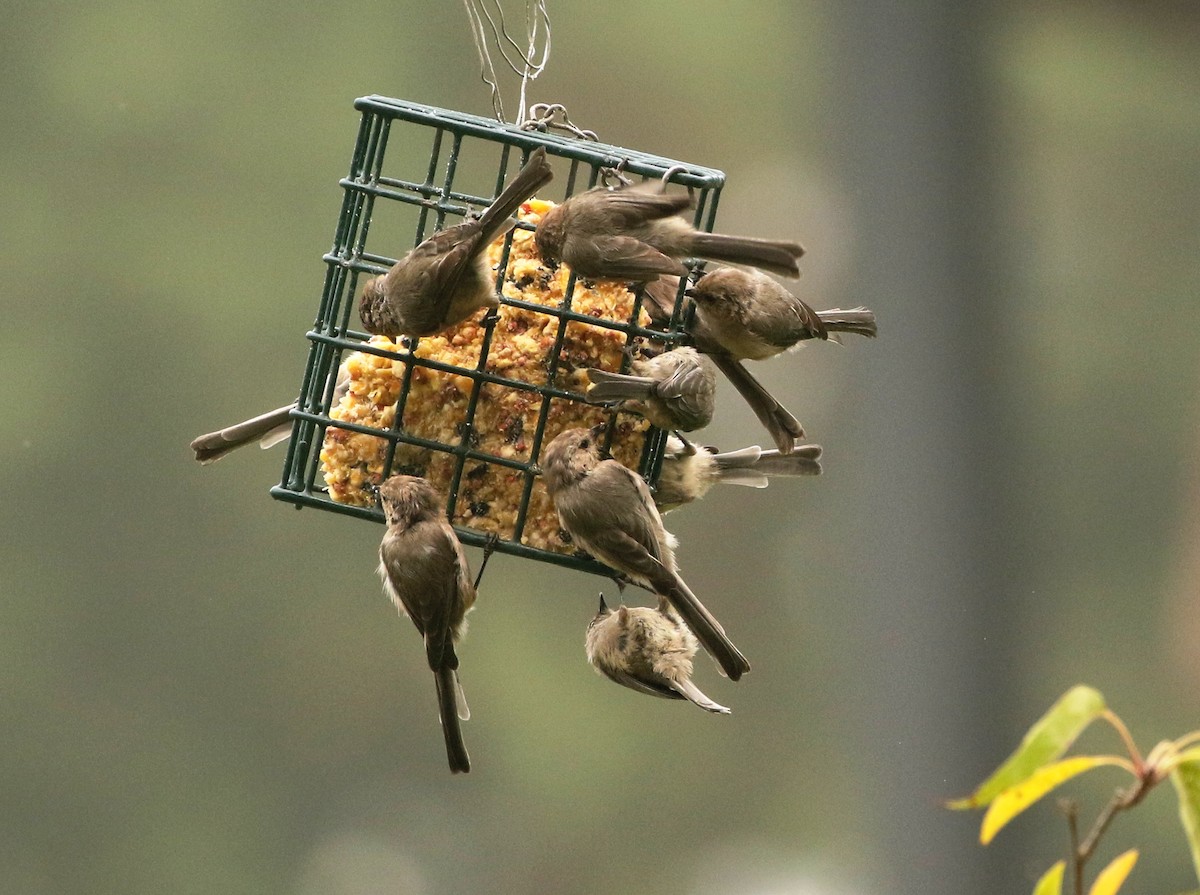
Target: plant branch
(1187, 740)
(1122, 800)
(1070, 808)
(1135, 756)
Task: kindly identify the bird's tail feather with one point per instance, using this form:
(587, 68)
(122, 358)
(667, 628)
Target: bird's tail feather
(448, 691)
(855, 320)
(739, 459)
(805, 460)
(608, 387)
(784, 428)
(670, 587)
(738, 467)
(534, 175)
(268, 429)
(769, 254)
(696, 696)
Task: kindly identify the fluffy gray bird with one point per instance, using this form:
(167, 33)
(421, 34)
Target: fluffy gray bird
(636, 233)
(446, 278)
(268, 429)
(688, 472)
(647, 650)
(677, 389)
(751, 317)
(425, 572)
(785, 429)
(608, 511)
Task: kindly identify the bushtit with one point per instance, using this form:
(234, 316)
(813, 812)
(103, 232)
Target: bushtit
(677, 388)
(785, 429)
(648, 650)
(688, 472)
(752, 317)
(446, 278)
(424, 571)
(268, 429)
(608, 511)
(636, 233)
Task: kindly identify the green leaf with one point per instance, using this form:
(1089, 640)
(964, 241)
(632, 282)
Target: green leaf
(1187, 755)
(1016, 799)
(1049, 738)
(1110, 879)
(1051, 881)
(1186, 778)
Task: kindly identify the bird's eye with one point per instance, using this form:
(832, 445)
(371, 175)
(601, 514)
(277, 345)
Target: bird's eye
(585, 442)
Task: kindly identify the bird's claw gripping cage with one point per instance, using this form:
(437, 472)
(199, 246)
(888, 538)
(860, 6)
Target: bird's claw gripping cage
(406, 180)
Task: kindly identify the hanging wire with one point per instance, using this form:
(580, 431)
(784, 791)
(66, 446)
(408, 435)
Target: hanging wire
(527, 62)
(546, 116)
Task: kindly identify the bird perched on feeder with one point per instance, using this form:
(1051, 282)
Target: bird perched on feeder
(749, 316)
(268, 429)
(648, 650)
(446, 278)
(608, 511)
(424, 571)
(636, 233)
(677, 389)
(688, 472)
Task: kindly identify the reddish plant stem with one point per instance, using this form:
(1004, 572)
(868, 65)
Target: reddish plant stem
(1122, 800)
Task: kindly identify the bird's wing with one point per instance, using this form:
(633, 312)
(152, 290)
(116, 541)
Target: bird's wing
(636, 525)
(799, 322)
(691, 384)
(634, 206)
(649, 687)
(434, 268)
(422, 569)
(621, 258)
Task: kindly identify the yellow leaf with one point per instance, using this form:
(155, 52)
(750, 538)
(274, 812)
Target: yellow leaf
(1051, 881)
(1012, 801)
(1109, 880)
(1049, 738)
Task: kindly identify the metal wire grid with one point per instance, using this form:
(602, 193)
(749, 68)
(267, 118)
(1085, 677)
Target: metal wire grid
(435, 197)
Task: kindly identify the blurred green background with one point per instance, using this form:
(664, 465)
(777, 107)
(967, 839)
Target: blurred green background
(205, 691)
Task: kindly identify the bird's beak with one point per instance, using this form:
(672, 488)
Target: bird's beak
(690, 291)
(598, 429)
(603, 606)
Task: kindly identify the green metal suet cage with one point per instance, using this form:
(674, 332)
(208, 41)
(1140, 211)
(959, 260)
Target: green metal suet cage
(416, 166)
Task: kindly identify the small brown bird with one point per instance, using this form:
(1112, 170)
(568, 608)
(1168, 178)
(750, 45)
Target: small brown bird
(677, 389)
(608, 511)
(751, 317)
(648, 650)
(688, 472)
(635, 233)
(268, 429)
(425, 572)
(446, 278)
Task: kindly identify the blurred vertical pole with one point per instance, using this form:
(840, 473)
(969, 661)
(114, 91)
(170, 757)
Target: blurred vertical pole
(914, 115)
